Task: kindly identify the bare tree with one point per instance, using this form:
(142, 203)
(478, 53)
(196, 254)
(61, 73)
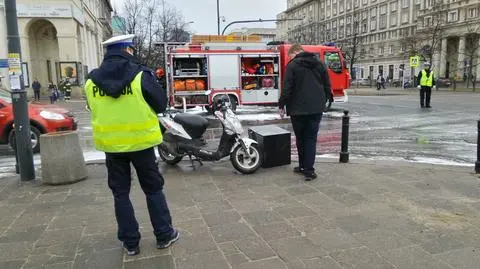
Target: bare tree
(153, 21)
(350, 47)
(472, 52)
(426, 41)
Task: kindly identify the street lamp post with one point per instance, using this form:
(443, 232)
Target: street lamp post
(218, 17)
(259, 20)
(19, 96)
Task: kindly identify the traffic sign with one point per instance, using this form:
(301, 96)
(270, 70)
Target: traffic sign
(414, 61)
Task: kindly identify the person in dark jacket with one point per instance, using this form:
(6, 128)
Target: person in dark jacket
(126, 128)
(36, 86)
(425, 82)
(306, 89)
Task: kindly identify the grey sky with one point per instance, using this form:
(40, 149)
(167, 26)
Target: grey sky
(204, 12)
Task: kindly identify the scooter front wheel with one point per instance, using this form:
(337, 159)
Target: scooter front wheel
(167, 157)
(246, 164)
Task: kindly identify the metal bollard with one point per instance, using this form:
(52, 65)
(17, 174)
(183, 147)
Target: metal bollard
(477, 163)
(344, 155)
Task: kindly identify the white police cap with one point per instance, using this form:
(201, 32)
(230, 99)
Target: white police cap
(121, 40)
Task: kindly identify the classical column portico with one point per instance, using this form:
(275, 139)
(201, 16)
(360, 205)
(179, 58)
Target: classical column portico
(461, 58)
(443, 58)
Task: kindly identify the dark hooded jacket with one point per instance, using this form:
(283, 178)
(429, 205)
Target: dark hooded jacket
(119, 69)
(306, 86)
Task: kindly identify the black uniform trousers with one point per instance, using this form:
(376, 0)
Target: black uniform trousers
(306, 128)
(151, 181)
(425, 92)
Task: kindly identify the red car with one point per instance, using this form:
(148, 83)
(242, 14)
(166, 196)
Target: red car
(43, 119)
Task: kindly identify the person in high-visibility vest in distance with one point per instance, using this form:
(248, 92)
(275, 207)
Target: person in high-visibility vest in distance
(426, 81)
(124, 99)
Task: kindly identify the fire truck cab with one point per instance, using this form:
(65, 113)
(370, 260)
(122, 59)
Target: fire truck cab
(245, 70)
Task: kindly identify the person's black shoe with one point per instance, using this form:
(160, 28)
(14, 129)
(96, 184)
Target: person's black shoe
(422, 106)
(161, 244)
(132, 251)
(309, 176)
(298, 170)
(429, 106)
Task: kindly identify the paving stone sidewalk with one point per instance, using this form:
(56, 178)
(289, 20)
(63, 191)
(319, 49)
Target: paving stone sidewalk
(359, 215)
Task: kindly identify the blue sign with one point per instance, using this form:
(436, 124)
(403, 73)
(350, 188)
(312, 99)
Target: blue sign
(3, 63)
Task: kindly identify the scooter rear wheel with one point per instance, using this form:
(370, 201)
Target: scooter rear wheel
(245, 164)
(168, 158)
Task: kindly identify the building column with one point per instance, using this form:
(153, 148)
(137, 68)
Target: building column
(461, 57)
(443, 58)
(477, 76)
(436, 63)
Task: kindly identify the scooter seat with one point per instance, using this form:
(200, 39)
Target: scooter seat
(194, 125)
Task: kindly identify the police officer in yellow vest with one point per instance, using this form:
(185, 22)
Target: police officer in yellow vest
(124, 99)
(426, 82)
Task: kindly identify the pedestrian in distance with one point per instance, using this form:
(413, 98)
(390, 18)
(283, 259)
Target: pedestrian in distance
(124, 99)
(306, 90)
(36, 86)
(160, 73)
(53, 92)
(425, 81)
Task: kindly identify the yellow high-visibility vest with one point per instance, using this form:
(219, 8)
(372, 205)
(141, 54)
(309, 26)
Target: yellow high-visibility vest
(426, 80)
(123, 124)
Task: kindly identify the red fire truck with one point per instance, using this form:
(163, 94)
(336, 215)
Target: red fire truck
(247, 71)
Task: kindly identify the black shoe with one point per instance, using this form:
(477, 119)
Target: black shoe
(309, 176)
(298, 170)
(429, 106)
(422, 106)
(165, 244)
(132, 251)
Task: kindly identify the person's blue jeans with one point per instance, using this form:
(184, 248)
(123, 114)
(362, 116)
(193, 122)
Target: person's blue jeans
(306, 129)
(151, 181)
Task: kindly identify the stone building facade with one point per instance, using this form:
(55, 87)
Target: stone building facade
(382, 31)
(62, 39)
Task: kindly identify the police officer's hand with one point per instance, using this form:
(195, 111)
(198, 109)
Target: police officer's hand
(434, 87)
(419, 87)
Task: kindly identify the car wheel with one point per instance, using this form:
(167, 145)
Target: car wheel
(34, 138)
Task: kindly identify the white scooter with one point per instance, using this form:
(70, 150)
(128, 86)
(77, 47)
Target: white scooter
(182, 136)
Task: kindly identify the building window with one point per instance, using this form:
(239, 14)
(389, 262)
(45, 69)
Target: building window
(403, 47)
(405, 16)
(334, 8)
(356, 3)
(473, 12)
(349, 4)
(383, 21)
(427, 3)
(452, 16)
(373, 25)
(364, 26)
(365, 2)
(381, 50)
(393, 6)
(427, 21)
(405, 3)
(391, 49)
(373, 12)
(393, 19)
(328, 12)
(341, 6)
(383, 9)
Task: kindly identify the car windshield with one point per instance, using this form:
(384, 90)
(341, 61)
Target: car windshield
(5, 96)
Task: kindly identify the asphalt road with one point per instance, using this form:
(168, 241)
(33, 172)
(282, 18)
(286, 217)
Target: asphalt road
(382, 127)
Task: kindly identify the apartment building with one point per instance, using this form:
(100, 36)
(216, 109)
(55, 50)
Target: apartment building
(382, 31)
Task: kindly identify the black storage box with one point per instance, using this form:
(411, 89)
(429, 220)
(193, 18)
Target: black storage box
(275, 142)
